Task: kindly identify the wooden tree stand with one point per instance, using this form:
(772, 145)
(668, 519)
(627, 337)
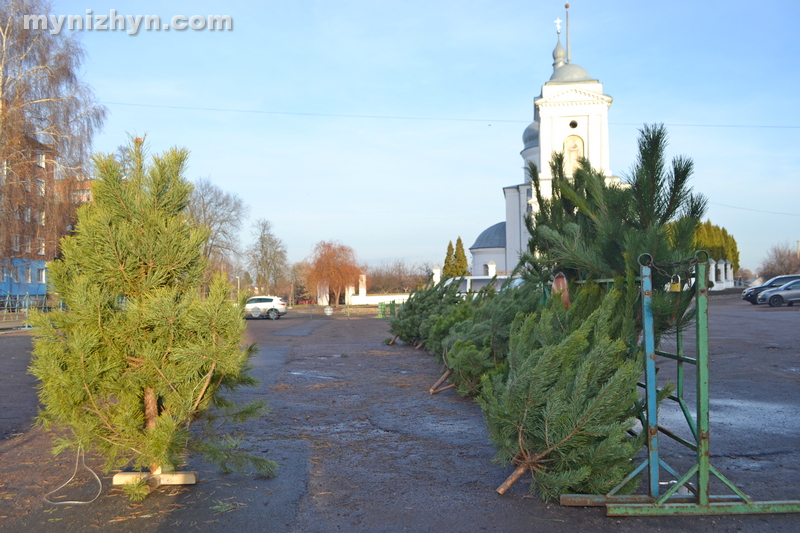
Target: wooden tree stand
(156, 478)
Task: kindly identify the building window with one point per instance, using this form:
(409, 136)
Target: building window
(4, 274)
(41, 158)
(16, 214)
(27, 242)
(81, 195)
(40, 186)
(40, 217)
(28, 275)
(41, 275)
(40, 246)
(27, 215)
(14, 275)
(27, 184)
(15, 242)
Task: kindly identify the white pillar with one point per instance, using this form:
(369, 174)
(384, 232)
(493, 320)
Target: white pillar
(437, 274)
(322, 295)
(729, 279)
(348, 294)
(362, 285)
(712, 275)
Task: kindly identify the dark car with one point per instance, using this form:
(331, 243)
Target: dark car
(751, 293)
(786, 294)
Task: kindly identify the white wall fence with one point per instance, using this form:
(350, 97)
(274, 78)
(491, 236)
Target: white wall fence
(362, 298)
(720, 274)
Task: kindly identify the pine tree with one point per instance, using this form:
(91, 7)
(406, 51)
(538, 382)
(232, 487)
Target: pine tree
(564, 410)
(448, 270)
(460, 265)
(139, 353)
(591, 230)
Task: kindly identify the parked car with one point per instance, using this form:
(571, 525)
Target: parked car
(751, 293)
(265, 307)
(785, 294)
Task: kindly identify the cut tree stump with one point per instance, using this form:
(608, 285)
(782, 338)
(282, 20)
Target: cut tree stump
(440, 381)
(518, 473)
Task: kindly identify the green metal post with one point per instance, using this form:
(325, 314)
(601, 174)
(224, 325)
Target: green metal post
(703, 426)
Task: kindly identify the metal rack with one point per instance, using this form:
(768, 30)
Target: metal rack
(688, 493)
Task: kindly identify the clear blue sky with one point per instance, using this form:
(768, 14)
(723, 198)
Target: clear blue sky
(723, 76)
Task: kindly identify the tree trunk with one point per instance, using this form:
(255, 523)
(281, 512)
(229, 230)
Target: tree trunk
(518, 473)
(151, 416)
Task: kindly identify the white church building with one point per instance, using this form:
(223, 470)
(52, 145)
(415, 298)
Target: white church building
(570, 116)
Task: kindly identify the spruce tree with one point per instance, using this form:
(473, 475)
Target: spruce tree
(448, 270)
(138, 353)
(460, 265)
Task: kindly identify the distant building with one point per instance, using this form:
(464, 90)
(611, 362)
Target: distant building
(571, 116)
(36, 210)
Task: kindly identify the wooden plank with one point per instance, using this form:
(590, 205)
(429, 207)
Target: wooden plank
(168, 478)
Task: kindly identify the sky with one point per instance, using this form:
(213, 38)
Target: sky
(393, 126)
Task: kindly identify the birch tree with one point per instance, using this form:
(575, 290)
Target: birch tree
(48, 117)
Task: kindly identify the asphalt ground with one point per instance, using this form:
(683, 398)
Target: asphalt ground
(363, 446)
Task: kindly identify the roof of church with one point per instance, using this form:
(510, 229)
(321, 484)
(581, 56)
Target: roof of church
(564, 70)
(492, 237)
(530, 137)
(570, 72)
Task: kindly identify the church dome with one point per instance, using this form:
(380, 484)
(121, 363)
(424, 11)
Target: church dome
(530, 137)
(492, 237)
(569, 73)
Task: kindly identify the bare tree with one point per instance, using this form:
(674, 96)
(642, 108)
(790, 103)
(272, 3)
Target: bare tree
(781, 259)
(266, 257)
(222, 213)
(395, 277)
(41, 94)
(333, 265)
(48, 117)
(300, 290)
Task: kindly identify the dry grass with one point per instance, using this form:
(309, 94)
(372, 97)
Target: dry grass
(328, 384)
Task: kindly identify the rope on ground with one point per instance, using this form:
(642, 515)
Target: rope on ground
(79, 458)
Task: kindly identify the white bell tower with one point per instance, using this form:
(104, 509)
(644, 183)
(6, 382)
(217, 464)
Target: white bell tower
(570, 116)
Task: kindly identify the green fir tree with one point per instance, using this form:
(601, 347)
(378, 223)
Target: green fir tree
(448, 270)
(138, 353)
(460, 265)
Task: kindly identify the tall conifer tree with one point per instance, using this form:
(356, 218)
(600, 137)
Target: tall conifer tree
(138, 353)
(448, 271)
(460, 265)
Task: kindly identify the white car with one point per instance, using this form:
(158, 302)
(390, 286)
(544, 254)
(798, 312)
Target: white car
(270, 307)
